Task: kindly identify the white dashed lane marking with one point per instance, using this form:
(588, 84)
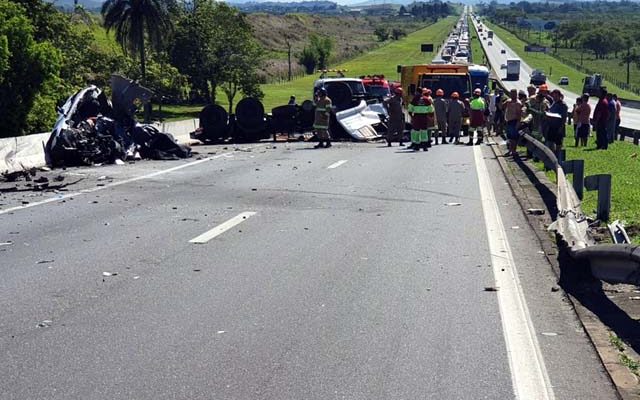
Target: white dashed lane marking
(336, 164)
(222, 228)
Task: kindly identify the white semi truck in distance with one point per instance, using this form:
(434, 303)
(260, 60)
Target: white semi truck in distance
(513, 69)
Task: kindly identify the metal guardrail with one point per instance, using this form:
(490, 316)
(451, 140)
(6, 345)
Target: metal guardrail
(613, 263)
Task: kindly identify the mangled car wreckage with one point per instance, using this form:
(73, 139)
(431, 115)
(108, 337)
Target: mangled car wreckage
(92, 130)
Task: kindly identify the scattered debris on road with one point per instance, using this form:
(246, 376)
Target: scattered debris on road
(45, 324)
(535, 211)
(491, 289)
(452, 204)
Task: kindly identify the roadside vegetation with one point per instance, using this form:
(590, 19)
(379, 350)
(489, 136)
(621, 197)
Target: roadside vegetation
(383, 60)
(622, 161)
(200, 53)
(477, 51)
(576, 46)
(633, 365)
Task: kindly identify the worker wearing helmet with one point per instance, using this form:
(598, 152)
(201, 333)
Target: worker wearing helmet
(395, 124)
(322, 118)
(455, 113)
(420, 110)
(440, 105)
(477, 116)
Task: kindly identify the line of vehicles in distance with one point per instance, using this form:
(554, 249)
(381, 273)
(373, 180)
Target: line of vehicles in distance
(512, 65)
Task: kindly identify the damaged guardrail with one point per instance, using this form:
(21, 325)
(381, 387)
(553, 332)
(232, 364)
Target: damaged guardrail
(613, 263)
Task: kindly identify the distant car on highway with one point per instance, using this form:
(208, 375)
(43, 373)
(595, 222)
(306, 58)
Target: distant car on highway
(563, 81)
(503, 51)
(490, 43)
(538, 77)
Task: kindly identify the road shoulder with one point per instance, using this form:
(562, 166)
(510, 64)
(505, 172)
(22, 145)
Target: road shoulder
(593, 301)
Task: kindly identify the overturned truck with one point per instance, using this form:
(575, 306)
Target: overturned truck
(92, 130)
(357, 116)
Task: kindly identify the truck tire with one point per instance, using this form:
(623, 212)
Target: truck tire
(214, 121)
(250, 120)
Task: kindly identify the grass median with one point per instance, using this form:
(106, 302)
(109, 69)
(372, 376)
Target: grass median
(478, 55)
(553, 68)
(622, 162)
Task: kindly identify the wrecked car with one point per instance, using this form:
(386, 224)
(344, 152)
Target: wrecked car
(92, 130)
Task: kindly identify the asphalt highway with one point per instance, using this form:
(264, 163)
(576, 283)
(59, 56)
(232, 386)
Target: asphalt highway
(629, 117)
(282, 272)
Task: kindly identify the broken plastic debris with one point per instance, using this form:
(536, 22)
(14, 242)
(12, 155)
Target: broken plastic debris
(220, 332)
(634, 298)
(6, 243)
(136, 277)
(119, 161)
(515, 227)
(45, 324)
(109, 273)
(44, 261)
(549, 334)
(535, 211)
(491, 289)
(452, 204)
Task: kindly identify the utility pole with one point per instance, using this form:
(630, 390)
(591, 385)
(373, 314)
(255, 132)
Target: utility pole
(288, 42)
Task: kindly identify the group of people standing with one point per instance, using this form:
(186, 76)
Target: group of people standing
(539, 111)
(435, 119)
(545, 114)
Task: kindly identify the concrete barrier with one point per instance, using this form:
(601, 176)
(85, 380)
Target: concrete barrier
(23, 152)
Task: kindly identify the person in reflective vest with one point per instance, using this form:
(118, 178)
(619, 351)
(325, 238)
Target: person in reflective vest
(322, 118)
(422, 119)
(477, 116)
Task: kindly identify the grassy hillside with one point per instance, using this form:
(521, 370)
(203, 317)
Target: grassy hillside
(382, 60)
(351, 36)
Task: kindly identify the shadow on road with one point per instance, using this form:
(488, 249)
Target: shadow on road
(548, 197)
(576, 280)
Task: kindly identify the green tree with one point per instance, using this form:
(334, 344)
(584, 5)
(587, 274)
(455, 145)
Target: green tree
(596, 40)
(381, 33)
(309, 59)
(133, 20)
(214, 47)
(26, 68)
(629, 58)
(238, 55)
(322, 46)
(397, 33)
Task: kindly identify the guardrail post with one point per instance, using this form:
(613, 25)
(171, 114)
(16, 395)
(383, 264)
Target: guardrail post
(562, 155)
(576, 169)
(601, 183)
(636, 137)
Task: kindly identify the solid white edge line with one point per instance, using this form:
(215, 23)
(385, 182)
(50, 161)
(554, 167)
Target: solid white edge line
(336, 164)
(528, 371)
(222, 228)
(114, 184)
